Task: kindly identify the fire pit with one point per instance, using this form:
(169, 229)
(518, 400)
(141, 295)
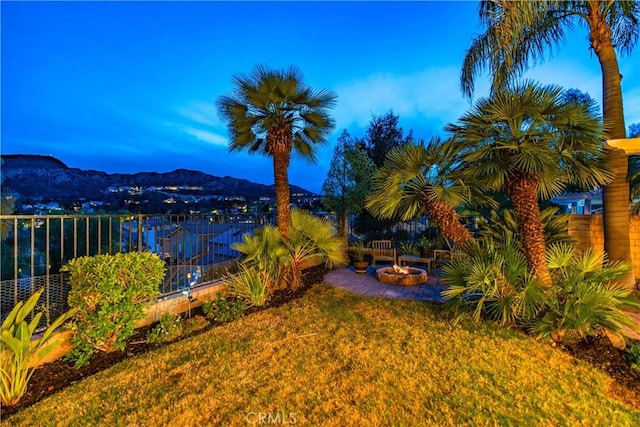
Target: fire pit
(404, 276)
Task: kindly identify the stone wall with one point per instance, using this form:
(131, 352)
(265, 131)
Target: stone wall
(588, 231)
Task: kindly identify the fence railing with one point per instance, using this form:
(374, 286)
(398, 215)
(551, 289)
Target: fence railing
(194, 247)
(34, 248)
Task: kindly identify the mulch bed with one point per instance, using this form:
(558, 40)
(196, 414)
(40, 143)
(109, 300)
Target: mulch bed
(598, 352)
(55, 376)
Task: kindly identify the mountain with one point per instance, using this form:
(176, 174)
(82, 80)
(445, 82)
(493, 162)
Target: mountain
(47, 178)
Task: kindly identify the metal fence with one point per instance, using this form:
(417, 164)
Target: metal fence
(194, 247)
(34, 248)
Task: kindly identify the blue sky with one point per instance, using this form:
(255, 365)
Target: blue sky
(130, 86)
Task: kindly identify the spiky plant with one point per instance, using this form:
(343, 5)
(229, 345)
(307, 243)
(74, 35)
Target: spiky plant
(587, 297)
(554, 225)
(311, 237)
(252, 284)
(490, 279)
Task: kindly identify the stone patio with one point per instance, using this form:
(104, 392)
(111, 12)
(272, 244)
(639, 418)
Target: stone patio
(367, 284)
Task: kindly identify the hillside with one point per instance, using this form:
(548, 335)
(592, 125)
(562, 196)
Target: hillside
(47, 178)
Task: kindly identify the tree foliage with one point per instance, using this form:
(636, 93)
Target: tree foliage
(349, 178)
(519, 33)
(383, 135)
(275, 113)
(529, 142)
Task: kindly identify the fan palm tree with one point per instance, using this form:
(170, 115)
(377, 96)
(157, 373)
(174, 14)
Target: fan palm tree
(525, 140)
(416, 179)
(520, 32)
(274, 113)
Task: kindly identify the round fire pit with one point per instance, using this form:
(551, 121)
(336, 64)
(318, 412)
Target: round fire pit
(405, 276)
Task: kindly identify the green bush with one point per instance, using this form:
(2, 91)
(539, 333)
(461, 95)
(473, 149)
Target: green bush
(409, 248)
(490, 279)
(633, 356)
(108, 291)
(222, 310)
(310, 237)
(168, 329)
(17, 351)
(585, 298)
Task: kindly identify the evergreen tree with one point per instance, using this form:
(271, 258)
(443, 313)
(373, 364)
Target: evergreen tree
(383, 135)
(348, 180)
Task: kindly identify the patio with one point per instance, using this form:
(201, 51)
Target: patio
(367, 285)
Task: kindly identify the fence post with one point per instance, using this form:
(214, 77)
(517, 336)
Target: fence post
(139, 232)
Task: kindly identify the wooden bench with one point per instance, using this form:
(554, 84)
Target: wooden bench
(412, 259)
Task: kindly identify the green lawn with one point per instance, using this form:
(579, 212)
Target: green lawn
(333, 358)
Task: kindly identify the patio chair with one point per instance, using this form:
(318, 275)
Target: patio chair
(382, 250)
(441, 257)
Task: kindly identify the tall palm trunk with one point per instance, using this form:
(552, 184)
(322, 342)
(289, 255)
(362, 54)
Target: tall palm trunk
(283, 198)
(522, 190)
(279, 142)
(616, 195)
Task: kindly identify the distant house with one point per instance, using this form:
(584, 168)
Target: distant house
(182, 245)
(223, 241)
(585, 203)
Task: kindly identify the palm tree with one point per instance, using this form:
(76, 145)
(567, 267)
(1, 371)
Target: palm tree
(519, 32)
(525, 140)
(416, 179)
(273, 112)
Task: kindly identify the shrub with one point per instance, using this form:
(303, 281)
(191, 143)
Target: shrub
(222, 311)
(490, 279)
(168, 329)
(633, 356)
(310, 237)
(193, 324)
(585, 298)
(499, 224)
(409, 248)
(251, 284)
(108, 291)
(17, 351)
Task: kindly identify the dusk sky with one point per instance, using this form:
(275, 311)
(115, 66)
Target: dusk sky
(131, 86)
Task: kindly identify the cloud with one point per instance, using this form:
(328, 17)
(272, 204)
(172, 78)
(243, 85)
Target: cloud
(432, 94)
(206, 136)
(200, 112)
(199, 119)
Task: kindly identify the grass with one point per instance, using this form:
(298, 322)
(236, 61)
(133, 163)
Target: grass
(333, 358)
